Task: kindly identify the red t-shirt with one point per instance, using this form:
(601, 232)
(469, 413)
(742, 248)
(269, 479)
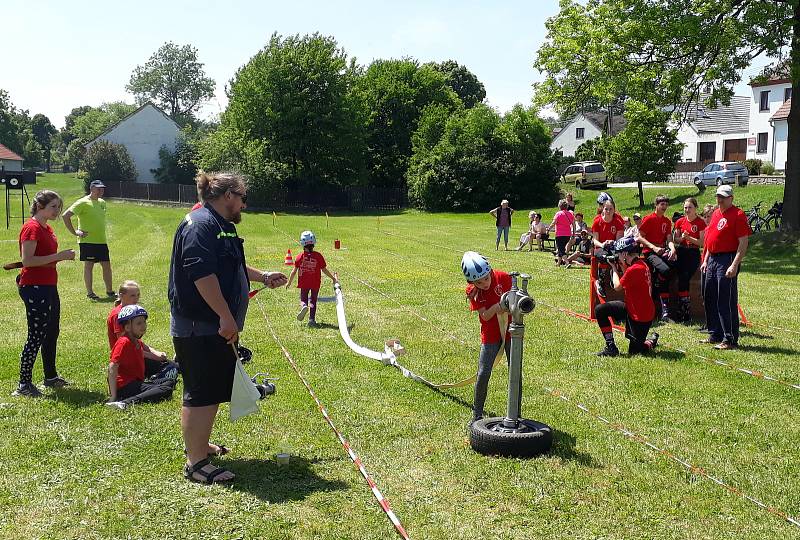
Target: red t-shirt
(607, 231)
(129, 356)
(693, 228)
(655, 230)
(46, 244)
(725, 229)
(501, 282)
(309, 273)
(196, 206)
(637, 285)
(113, 326)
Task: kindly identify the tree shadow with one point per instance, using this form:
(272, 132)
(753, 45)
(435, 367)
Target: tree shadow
(564, 448)
(275, 483)
(77, 397)
(772, 253)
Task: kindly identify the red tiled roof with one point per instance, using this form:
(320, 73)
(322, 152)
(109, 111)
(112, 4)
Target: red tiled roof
(783, 112)
(5, 153)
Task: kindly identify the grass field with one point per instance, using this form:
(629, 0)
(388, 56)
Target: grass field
(74, 469)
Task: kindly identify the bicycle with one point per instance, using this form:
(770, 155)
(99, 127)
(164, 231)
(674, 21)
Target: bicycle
(774, 216)
(754, 219)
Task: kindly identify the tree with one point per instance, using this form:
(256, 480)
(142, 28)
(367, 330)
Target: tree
(43, 132)
(647, 148)
(593, 149)
(95, 121)
(13, 123)
(75, 153)
(665, 52)
(463, 82)
(174, 80)
(109, 162)
(178, 166)
(395, 92)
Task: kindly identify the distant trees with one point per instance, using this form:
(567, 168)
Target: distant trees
(43, 132)
(463, 82)
(90, 122)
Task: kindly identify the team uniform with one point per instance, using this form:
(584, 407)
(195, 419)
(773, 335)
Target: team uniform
(688, 259)
(656, 230)
(721, 293)
(128, 355)
(152, 368)
(605, 231)
(309, 266)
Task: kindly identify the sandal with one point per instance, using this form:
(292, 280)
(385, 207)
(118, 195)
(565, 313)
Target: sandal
(92, 296)
(219, 453)
(207, 477)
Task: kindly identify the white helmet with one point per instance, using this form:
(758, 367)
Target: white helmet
(475, 266)
(307, 238)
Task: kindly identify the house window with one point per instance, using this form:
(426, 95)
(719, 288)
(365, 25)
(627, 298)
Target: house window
(764, 103)
(787, 94)
(579, 133)
(762, 143)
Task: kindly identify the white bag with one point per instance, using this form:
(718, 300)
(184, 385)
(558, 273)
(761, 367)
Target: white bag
(245, 395)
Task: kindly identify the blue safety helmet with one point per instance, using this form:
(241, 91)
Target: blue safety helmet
(131, 312)
(475, 266)
(627, 244)
(604, 197)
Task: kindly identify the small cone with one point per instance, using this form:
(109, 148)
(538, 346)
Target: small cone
(288, 260)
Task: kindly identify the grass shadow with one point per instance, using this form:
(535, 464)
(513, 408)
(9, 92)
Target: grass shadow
(769, 350)
(275, 483)
(753, 334)
(669, 355)
(774, 252)
(77, 397)
(464, 403)
(564, 448)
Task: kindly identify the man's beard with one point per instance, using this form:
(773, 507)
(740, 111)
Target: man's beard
(236, 217)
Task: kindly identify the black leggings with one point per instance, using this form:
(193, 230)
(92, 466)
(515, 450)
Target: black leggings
(142, 392)
(688, 263)
(660, 269)
(43, 311)
(635, 331)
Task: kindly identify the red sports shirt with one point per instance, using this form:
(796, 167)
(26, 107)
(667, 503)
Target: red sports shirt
(46, 244)
(607, 231)
(501, 282)
(655, 230)
(309, 273)
(693, 228)
(113, 326)
(637, 285)
(725, 229)
(129, 356)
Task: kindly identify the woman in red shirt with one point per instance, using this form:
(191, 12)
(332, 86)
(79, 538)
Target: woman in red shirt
(37, 281)
(607, 228)
(688, 237)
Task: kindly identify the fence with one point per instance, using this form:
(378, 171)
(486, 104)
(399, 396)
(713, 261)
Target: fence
(356, 199)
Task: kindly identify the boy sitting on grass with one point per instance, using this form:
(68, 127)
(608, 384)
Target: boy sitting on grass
(126, 382)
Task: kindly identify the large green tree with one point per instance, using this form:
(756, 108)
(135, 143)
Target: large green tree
(95, 121)
(664, 53)
(394, 93)
(12, 124)
(174, 80)
(463, 82)
(43, 131)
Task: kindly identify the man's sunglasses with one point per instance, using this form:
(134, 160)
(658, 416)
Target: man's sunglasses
(241, 196)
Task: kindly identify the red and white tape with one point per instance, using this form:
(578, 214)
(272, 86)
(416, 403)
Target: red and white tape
(382, 501)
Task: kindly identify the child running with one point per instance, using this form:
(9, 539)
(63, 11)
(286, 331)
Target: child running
(309, 267)
(484, 289)
(155, 362)
(126, 382)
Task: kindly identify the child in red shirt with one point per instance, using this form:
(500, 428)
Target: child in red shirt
(637, 310)
(485, 288)
(126, 382)
(309, 267)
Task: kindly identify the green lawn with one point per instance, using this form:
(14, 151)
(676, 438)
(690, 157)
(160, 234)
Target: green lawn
(74, 469)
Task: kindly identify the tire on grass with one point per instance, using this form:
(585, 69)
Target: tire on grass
(536, 439)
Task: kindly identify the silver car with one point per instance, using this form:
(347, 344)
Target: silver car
(722, 172)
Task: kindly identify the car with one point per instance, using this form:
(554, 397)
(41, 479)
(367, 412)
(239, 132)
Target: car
(722, 172)
(585, 174)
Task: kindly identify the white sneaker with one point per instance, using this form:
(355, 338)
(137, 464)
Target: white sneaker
(117, 405)
(302, 313)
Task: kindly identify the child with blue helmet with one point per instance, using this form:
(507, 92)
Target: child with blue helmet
(309, 267)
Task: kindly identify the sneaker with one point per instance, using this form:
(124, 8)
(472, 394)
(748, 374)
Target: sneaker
(27, 390)
(653, 340)
(665, 318)
(117, 405)
(598, 287)
(302, 313)
(111, 294)
(709, 341)
(312, 323)
(92, 296)
(609, 351)
(569, 265)
(56, 382)
(725, 346)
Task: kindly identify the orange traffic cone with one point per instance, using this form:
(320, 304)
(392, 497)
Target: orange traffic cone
(288, 260)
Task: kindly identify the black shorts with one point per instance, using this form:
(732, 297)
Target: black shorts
(207, 365)
(94, 252)
(561, 244)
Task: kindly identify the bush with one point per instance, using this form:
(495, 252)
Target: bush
(108, 162)
(767, 168)
(753, 166)
(75, 153)
(177, 167)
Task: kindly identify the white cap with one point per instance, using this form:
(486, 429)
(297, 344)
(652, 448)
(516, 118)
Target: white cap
(725, 191)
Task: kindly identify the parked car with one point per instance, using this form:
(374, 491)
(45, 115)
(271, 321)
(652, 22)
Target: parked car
(585, 174)
(722, 172)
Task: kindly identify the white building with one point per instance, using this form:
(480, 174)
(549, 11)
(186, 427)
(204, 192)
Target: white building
(9, 161)
(143, 133)
(716, 134)
(584, 127)
(769, 113)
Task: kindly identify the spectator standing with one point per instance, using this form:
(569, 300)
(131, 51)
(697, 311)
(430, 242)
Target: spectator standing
(563, 222)
(502, 215)
(726, 240)
(91, 233)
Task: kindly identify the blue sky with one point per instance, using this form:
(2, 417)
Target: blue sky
(66, 54)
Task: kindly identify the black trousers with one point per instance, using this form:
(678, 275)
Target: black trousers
(43, 311)
(722, 299)
(143, 392)
(688, 263)
(661, 270)
(635, 331)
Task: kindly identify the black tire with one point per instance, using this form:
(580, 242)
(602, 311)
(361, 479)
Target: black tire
(577, 185)
(536, 438)
(719, 182)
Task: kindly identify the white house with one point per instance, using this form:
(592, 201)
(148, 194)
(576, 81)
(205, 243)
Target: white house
(143, 133)
(769, 113)
(716, 134)
(9, 161)
(584, 127)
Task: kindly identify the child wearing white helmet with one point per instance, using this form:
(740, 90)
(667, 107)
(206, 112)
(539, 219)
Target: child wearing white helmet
(126, 382)
(309, 267)
(485, 288)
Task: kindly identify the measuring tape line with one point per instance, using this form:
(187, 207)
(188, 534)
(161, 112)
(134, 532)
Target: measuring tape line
(382, 501)
(619, 428)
